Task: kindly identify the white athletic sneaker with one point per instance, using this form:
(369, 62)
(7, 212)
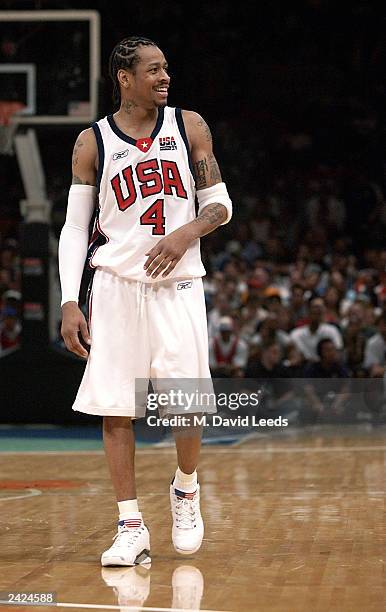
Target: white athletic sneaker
(131, 585)
(188, 588)
(188, 527)
(131, 546)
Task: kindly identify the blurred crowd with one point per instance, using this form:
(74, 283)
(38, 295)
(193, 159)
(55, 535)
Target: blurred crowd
(10, 296)
(297, 269)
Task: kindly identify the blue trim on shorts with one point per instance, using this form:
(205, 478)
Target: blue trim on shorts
(88, 295)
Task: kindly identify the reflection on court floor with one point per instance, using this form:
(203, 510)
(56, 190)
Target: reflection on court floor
(293, 523)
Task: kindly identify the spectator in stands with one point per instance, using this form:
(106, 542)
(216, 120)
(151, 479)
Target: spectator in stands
(297, 307)
(5, 280)
(329, 364)
(354, 338)
(272, 300)
(249, 318)
(369, 320)
(277, 391)
(375, 350)
(268, 364)
(10, 329)
(312, 279)
(9, 265)
(332, 302)
(228, 353)
(221, 309)
(321, 393)
(269, 330)
(294, 362)
(12, 299)
(306, 338)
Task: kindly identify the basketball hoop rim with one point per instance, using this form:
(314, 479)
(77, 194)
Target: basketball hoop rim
(9, 112)
(9, 121)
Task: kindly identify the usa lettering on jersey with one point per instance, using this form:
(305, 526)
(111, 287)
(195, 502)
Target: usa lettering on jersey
(167, 143)
(146, 190)
(152, 180)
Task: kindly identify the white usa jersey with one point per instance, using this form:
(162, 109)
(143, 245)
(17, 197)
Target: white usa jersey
(146, 190)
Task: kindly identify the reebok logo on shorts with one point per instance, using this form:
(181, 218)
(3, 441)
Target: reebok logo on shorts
(184, 285)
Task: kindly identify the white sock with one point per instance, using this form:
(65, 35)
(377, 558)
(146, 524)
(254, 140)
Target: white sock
(128, 510)
(185, 482)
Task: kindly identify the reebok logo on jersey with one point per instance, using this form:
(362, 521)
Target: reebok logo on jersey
(120, 154)
(184, 285)
(167, 143)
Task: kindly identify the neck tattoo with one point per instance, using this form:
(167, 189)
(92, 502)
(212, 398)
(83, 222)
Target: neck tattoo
(128, 106)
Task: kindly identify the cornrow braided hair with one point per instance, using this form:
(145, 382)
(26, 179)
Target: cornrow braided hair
(124, 55)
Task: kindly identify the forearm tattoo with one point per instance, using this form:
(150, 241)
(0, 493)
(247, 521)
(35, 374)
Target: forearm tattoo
(78, 181)
(213, 214)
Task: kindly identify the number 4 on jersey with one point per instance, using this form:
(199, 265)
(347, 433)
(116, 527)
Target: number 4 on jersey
(154, 216)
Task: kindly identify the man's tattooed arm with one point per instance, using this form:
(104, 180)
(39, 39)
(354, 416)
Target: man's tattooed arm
(84, 159)
(75, 155)
(205, 128)
(77, 181)
(206, 172)
(209, 219)
(200, 172)
(213, 214)
(205, 167)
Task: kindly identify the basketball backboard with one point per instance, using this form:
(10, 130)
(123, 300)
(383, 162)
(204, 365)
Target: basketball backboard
(50, 61)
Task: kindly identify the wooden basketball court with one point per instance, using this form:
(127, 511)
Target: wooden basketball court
(292, 524)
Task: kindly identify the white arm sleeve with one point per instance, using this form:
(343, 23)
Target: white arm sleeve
(217, 194)
(73, 240)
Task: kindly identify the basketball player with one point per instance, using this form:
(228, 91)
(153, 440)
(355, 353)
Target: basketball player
(141, 168)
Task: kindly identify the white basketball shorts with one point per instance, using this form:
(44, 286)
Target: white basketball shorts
(141, 331)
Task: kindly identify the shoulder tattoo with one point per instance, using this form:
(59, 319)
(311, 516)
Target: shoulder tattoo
(75, 155)
(205, 128)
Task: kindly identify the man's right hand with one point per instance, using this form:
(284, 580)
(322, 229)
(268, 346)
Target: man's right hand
(73, 322)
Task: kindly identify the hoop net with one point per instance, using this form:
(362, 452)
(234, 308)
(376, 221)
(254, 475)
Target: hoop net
(8, 124)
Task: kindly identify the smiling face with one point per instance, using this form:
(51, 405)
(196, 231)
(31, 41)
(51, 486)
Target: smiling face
(147, 84)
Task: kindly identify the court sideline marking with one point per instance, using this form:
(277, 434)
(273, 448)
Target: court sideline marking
(216, 451)
(128, 608)
(31, 493)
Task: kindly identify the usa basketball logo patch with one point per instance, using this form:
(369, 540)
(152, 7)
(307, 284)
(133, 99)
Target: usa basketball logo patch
(167, 143)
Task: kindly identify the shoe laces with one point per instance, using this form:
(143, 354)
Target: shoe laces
(126, 537)
(185, 511)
